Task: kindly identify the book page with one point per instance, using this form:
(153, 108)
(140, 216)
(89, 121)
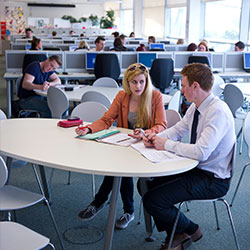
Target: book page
(154, 155)
(121, 139)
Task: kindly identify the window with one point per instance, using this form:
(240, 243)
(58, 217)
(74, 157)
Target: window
(178, 22)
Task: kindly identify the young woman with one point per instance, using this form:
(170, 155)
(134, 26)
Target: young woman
(137, 106)
(36, 44)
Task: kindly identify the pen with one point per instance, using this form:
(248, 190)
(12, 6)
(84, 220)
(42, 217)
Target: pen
(126, 139)
(143, 133)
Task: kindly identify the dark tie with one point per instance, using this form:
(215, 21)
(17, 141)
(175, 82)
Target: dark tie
(194, 127)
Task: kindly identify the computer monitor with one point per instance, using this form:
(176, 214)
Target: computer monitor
(233, 61)
(127, 58)
(74, 61)
(90, 60)
(133, 42)
(14, 60)
(28, 46)
(181, 59)
(68, 41)
(156, 46)
(168, 54)
(146, 58)
(218, 62)
(246, 61)
(73, 47)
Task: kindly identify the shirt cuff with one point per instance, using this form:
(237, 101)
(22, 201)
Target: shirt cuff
(170, 145)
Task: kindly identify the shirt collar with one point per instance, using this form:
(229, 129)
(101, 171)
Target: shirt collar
(205, 103)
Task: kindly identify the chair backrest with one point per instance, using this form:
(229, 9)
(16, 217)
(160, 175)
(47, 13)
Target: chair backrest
(172, 117)
(246, 131)
(29, 58)
(94, 96)
(175, 101)
(162, 73)
(233, 97)
(2, 115)
(58, 102)
(107, 64)
(199, 59)
(105, 82)
(89, 111)
(216, 90)
(3, 172)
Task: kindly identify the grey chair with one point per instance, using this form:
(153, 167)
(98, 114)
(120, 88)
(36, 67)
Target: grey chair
(174, 103)
(13, 198)
(172, 117)
(221, 199)
(15, 236)
(96, 97)
(216, 90)
(89, 112)
(58, 102)
(246, 135)
(105, 82)
(234, 99)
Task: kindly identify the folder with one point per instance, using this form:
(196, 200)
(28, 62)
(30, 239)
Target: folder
(99, 135)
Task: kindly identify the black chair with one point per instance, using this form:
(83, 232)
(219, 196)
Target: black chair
(52, 48)
(107, 65)
(29, 58)
(199, 59)
(162, 73)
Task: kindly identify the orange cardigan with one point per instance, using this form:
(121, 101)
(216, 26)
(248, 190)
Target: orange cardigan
(119, 111)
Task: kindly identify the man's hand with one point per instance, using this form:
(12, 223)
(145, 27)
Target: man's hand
(159, 142)
(45, 86)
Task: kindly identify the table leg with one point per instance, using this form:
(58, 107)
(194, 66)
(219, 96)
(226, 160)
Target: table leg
(8, 164)
(9, 95)
(112, 214)
(45, 183)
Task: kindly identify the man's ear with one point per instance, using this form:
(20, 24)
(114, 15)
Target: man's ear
(196, 85)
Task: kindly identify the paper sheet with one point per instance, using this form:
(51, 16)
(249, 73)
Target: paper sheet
(154, 155)
(120, 139)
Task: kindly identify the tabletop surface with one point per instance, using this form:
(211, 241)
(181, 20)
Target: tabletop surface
(41, 141)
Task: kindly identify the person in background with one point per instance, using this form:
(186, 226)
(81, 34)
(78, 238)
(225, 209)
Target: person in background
(28, 33)
(180, 41)
(132, 34)
(36, 44)
(210, 124)
(118, 45)
(123, 39)
(141, 47)
(83, 45)
(192, 47)
(99, 44)
(137, 106)
(239, 46)
(71, 33)
(53, 34)
(115, 34)
(203, 46)
(82, 35)
(38, 75)
(151, 39)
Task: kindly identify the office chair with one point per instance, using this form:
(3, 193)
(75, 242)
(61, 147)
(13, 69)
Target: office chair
(15, 236)
(213, 201)
(199, 59)
(216, 90)
(29, 58)
(162, 73)
(234, 99)
(174, 103)
(13, 198)
(105, 82)
(94, 96)
(246, 135)
(172, 117)
(89, 112)
(107, 65)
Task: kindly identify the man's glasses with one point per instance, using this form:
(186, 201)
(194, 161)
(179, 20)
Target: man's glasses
(140, 67)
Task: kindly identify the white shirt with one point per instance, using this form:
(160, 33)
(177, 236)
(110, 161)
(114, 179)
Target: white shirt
(215, 136)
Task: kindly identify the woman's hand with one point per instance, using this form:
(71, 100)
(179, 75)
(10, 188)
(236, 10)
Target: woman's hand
(82, 130)
(137, 134)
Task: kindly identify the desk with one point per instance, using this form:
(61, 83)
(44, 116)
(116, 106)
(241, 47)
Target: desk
(243, 86)
(79, 90)
(69, 156)
(234, 74)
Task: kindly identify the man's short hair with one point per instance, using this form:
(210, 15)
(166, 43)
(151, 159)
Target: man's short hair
(122, 36)
(152, 38)
(199, 72)
(56, 58)
(28, 29)
(99, 38)
(240, 45)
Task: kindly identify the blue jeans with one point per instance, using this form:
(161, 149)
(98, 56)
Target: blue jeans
(38, 103)
(127, 191)
(165, 192)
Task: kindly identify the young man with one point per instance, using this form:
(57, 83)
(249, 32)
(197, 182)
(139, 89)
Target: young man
(28, 33)
(99, 44)
(239, 46)
(38, 75)
(211, 125)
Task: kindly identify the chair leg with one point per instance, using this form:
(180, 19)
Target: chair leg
(186, 203)
(232, 223)
(140, 211)
(49, 208)
(241, 143)
(237, 187)
(69, 177)
(216, 216)
(93, 185)
(51, 245)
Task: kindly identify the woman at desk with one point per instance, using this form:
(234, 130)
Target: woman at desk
(137, 106)
(36, 44)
